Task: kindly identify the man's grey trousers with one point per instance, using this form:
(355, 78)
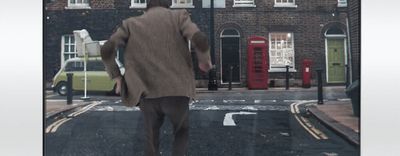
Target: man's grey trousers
(176, 108)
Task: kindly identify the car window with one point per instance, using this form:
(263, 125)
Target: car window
(95, 66)
(74, 66)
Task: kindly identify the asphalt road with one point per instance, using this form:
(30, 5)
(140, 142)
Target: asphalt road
(231, 124)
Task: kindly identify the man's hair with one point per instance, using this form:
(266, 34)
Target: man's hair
(157, 3)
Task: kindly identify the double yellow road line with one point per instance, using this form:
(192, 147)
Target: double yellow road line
(305, 123)
(55, 125)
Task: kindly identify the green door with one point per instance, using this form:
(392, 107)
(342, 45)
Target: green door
(336, 64)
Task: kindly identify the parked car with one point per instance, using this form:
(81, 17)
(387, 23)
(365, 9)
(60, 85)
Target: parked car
(97, 77)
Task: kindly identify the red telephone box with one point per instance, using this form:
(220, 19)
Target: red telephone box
(307, 73)
(257, 63)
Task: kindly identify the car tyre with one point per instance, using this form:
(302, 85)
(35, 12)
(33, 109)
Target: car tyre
(61, 88)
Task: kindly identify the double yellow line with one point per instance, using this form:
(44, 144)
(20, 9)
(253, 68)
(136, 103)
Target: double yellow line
(55, 125)
(305, 123)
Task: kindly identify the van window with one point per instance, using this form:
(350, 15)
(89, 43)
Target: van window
(95, 66)
(74, 66)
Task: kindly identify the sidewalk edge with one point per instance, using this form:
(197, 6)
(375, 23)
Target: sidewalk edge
(343, 131)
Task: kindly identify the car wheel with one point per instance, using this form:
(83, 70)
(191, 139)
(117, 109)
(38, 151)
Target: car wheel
(62, 88)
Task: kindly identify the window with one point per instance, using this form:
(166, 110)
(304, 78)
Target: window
(138, 3)
(78, 4)
(74, 66)
(217, 4)
(342, 3)
(68, 48)
(285, 3)
(182, 4)
(244, 3)
(95, 66)
(281, 51)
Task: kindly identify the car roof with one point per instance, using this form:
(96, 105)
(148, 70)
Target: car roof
(76, 59)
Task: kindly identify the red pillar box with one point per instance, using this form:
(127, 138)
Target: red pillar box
(307, 73)
(257, 63)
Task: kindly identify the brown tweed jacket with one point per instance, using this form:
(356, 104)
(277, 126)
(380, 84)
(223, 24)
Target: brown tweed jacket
(157, 58)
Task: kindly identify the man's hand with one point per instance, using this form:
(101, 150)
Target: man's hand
(118, 84)
(205, 67)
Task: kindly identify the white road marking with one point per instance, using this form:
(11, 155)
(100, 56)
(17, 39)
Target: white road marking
(114, 108)
(119, 101)
(49, 96)
(330, 154)
(249, 108)
(292, 100)
(346, 99)
(264, 101)
(232, 101)
(284, 134)
(205, 100)
(228, 121)
(58, 100)
(212, 108)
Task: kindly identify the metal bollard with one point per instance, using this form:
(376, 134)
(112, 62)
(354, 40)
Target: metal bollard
(320, 93)
(287, 77)
(69, 88)
(230, 77)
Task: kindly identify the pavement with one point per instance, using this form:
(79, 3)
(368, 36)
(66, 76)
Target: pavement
(338, 116)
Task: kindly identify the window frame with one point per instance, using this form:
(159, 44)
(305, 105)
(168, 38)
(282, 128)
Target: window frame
(69, 44)
(138, 5)
(78, 5)
(238, 3)
(281, 68)
(342, 3)
(285, 5)
(186, 5)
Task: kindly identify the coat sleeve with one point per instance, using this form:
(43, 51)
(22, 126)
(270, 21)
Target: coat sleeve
(109, 49)
(191, 32)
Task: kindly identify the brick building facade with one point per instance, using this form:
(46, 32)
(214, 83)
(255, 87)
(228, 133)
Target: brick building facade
(355, 38)
(295, 30)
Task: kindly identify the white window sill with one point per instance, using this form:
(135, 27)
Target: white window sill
(215, 7)
(182, 6)
(285, 6)
(138, 6)
(77, 7)
(342, 5)
(276, 70)
(244, 5)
